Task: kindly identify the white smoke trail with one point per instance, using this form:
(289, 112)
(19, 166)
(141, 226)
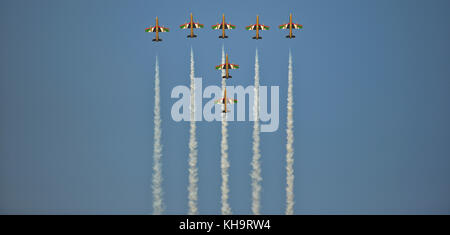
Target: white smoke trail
(193, 171)
(256, 165)
(289, 145)
(157, 151)
(226, 210)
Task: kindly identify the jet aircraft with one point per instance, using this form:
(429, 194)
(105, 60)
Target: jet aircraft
(223, 26)
(191, 25)
(225, 101)
(290, 26)
(227, 66)
(257, 27)
(157, 29)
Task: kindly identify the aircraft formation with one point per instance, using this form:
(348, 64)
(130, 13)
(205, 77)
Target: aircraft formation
(223, 26)
(191, 25)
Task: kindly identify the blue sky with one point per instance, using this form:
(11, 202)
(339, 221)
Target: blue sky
(371, 94)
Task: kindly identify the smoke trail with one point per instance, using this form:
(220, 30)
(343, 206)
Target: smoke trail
(226, 210)
(289, 145)
(157, 150)
(193, 178)
(256, 165)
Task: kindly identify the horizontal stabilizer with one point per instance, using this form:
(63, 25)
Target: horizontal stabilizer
(193, 36)
(223, 36)
(157, 40)
(288, 36)
(257, 38)
(229, 76)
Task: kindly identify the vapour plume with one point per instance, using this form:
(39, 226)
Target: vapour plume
(193, 171)
(290, 142)
(224, 164)
(256, 165)
(157, 150)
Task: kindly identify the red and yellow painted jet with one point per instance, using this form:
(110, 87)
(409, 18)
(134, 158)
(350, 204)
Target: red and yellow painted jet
(191, 25)
(290, 26)
(257, 27)
(157, 29)
(225, 101)
(223, 26)
(227, 66)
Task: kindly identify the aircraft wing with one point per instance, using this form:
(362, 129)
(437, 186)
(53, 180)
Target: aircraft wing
(284, 26)
(257, 26)
(151, 29)
(230, 66)
(294, 26)
(231, 101)
(297, 26)
(230, 26)
(227, 26)
(222, 66)
(233, 66)
(188, 26)
(163, 29)
(157, 29)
